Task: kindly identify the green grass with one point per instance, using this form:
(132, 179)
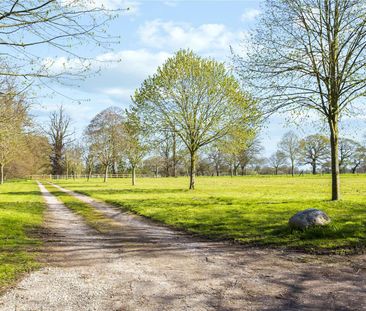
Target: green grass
(93, 217)
(253, 210)
(21, 213)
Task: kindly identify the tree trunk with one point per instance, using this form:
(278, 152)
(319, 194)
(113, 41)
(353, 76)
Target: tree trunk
(276, 170)
(314, 167)
(167, 167)
(336, 182)
(217, 170)
(292, 168)
(2, 173)
(236, 169)
(89, 173)
(354, 168)
(133, 175)
(192, 173)
(106, 173)
(174, 169)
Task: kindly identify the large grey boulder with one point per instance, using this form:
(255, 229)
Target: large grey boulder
(309, 218)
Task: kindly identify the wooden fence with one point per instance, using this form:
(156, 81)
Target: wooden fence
(83, 176)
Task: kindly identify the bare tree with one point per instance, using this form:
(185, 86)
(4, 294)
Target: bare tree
(105, 136)
(249, 154)
(347, 152)
(217, 157)
(59, 134)
(310, 55)
(89, 157)
(289, 145)
(358, 158)
(57, 24)
(314, 149)
(276, 160)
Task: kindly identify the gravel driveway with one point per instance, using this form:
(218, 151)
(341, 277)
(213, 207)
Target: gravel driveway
(143, 266)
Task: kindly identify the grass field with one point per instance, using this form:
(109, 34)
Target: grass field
(21, 210)
(252, 210)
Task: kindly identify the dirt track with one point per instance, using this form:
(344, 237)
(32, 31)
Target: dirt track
(142, 266)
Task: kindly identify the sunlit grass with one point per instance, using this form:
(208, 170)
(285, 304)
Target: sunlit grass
(253, 210)
(93, 217)
(21, 212)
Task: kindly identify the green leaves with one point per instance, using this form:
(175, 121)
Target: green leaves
(196, 97)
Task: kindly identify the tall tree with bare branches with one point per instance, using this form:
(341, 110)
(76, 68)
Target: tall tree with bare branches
(309, 55)
(59, 134)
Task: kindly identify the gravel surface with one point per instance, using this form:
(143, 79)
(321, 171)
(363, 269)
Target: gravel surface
(143, 266)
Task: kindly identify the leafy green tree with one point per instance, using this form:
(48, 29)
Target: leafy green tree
(135, 144)
(235, 144)
(197, 98)
(13, 119)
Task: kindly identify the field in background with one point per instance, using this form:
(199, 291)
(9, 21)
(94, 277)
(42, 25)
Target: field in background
(253, 210)
(21, 212)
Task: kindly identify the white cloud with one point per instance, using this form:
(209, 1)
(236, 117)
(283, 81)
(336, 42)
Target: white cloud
(134, 63)
(250, 15)
(119, 94)
(213, 38)
(171, 3)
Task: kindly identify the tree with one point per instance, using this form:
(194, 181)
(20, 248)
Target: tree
(314, 149)
(57, 25)
(32, 156)
(134, 142)
(59, 135)
(276, 160)
(89, 156)
(289, 145)
(197, 98)
(249, 153)
(217, 157)
(74, 160)
(105, 136)
(310, 55)
(348, 150)
(235, 143)
(153, 164)
(358, 158)
(14, 117)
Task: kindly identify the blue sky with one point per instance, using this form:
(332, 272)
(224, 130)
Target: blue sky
(150, 32)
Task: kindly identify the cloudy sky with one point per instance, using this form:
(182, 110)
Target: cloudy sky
(150, 32)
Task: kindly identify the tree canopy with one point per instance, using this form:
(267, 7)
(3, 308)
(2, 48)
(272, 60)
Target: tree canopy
(197, 98)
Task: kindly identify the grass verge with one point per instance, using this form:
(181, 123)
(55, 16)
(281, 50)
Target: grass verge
(253, 210)
(92, 217)
(21, 215)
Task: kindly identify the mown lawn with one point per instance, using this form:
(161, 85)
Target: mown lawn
(253, 210)
(21, 213)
